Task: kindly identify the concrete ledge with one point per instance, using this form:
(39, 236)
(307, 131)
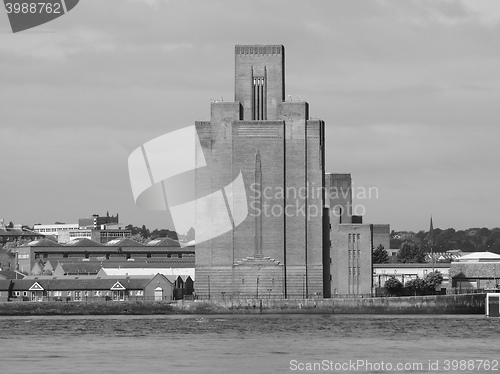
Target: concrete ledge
(28, 308)
(439, 304)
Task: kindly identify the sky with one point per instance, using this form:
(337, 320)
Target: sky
(408, 90)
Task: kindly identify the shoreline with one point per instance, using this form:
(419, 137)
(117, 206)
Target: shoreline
(437, 304)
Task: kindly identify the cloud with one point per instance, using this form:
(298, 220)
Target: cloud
(408, 90)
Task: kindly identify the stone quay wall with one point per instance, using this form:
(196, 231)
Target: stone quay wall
(439, 304)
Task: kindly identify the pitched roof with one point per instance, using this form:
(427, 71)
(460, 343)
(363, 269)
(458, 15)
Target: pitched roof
(43, 243)
(11, 274)
(184, 262)
(17, 232)
(123, 242)
(163, 242)
(69, 284)
(80, 267)
(479, 256)
(115, 262)
(83, 242)
(5, 284)
(175, 272)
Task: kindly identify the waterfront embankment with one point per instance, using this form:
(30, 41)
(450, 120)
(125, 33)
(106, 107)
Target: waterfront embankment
(438, 304)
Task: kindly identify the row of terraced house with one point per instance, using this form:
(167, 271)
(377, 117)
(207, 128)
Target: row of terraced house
(85, 270)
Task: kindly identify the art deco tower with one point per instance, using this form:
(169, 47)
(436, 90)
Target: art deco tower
(269, 145)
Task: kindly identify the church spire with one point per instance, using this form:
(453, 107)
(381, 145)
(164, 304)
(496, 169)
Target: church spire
(431, 242)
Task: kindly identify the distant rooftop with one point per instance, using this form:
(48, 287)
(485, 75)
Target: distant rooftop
(479, 257)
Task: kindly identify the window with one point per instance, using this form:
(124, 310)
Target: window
(68, 293)
(25, 293)
(78, 295)
(259, 98)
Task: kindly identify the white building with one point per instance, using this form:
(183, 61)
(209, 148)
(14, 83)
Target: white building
(55, 229)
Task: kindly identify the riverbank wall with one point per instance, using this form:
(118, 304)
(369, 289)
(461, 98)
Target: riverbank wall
(48, 308)
(438, 304)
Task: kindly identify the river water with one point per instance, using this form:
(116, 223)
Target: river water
(250, 344)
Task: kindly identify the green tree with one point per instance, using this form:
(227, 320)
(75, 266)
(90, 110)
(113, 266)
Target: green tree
(393, 286)
(410, 252)
(380, 255)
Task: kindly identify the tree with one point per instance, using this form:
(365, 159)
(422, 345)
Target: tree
(410, 252)
(395, 243)
(417, 286)
(163, 233)
(393, 286)
(10, 225)
(145, 232)
(484, 232)
(433, 280)
(380, 255)
(134, 230)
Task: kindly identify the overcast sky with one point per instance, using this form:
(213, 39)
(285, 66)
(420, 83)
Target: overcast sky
(409, 92)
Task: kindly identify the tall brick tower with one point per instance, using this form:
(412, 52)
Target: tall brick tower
(275, 248)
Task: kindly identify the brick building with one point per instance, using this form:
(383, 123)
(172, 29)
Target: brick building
(293, 233)
(276, 151)
(351, 241)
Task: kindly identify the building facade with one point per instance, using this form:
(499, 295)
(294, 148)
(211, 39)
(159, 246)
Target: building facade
(125, 250)
(274, 149)
(476, 270)
(56, 229)
(405, 272)
(80, 289)
(96, 221)
(351, 241)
